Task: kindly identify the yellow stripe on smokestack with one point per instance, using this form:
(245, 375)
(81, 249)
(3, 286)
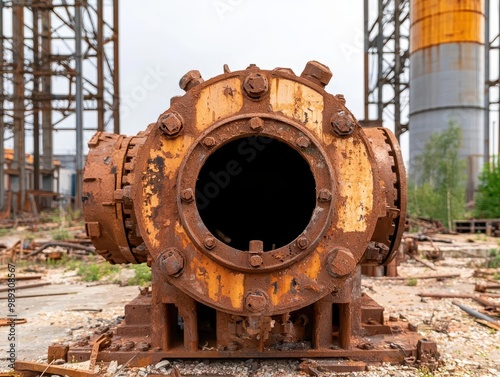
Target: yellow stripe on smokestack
(446, 21)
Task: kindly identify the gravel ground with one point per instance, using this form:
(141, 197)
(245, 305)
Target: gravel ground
(467, 348)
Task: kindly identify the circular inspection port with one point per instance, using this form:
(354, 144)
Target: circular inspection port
(256, 188)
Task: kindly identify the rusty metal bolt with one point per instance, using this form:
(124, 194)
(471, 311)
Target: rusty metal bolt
(412, 327)
(209, 142)
(256, 124)
(170, 124)
(256, 260)
(187, 195)
(396, 329)
(255, 301)
(303, 142)
(172, 261)
(288, 71)
(324, 195)
(340, 98)
(190, 80)
(209, 243)
(317, 73)
(342, 124)
(302, 242)
(366, 346)
(123, 195)
(255, 85)
(143, 346)
(129, 345)
(340, 262)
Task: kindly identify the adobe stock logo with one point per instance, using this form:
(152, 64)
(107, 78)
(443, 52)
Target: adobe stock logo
(247, 151)
(151, 80)
(223, 6)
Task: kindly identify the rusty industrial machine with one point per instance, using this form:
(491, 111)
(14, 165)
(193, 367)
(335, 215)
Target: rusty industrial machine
(255, 198)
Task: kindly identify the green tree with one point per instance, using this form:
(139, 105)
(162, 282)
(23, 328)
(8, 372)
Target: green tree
(488, 193)
(437, 184)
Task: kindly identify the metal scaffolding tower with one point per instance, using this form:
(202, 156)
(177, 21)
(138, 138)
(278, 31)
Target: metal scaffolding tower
(387, 31)
(492, 76)
(59, 75)
(387, 40)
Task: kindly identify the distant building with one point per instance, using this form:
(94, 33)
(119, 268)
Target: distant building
(63, 178)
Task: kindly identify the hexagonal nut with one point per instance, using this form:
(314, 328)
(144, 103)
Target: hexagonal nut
(340, 98)
(172, 261)
(190, 80)
(256, 124)
(255, 85)
(288, 71)
(256, 301)
(302, 243)
(209, 243)
(170, 124)
(123, 195)
(318, 73)
(187, 195)
(303, 142)
(256, 260)
(340, 262)
(342, 124)
(209, 142)
(324, 195)
(143, 347)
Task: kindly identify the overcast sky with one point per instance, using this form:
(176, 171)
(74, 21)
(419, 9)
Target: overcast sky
(161, 40)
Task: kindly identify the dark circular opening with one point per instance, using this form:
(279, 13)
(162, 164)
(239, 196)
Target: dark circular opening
(256, 188)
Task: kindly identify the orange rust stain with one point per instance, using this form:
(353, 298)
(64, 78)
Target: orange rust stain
(217, 282)
(305, 279)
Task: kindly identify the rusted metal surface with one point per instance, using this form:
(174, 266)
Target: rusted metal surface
(57, 352)
(256, 197)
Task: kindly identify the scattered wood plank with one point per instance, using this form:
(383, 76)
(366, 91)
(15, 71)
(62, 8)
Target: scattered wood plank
(67, 245)
(83, 310)
(424, 277)
(22, 366)
(425, 263)
(423, 237)
(478, 299)
(493, 295)
(27, 286)
(21, 277)
(8, 321)
(42, 295)
(491, 325)
(484, 287)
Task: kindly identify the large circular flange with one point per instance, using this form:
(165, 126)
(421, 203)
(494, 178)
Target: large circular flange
(389, 228)
(272, 126)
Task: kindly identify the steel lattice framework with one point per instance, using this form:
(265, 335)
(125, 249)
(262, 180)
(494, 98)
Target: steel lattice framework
(59, 73)
(387, 33)
(387, 65)
(492, 74)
